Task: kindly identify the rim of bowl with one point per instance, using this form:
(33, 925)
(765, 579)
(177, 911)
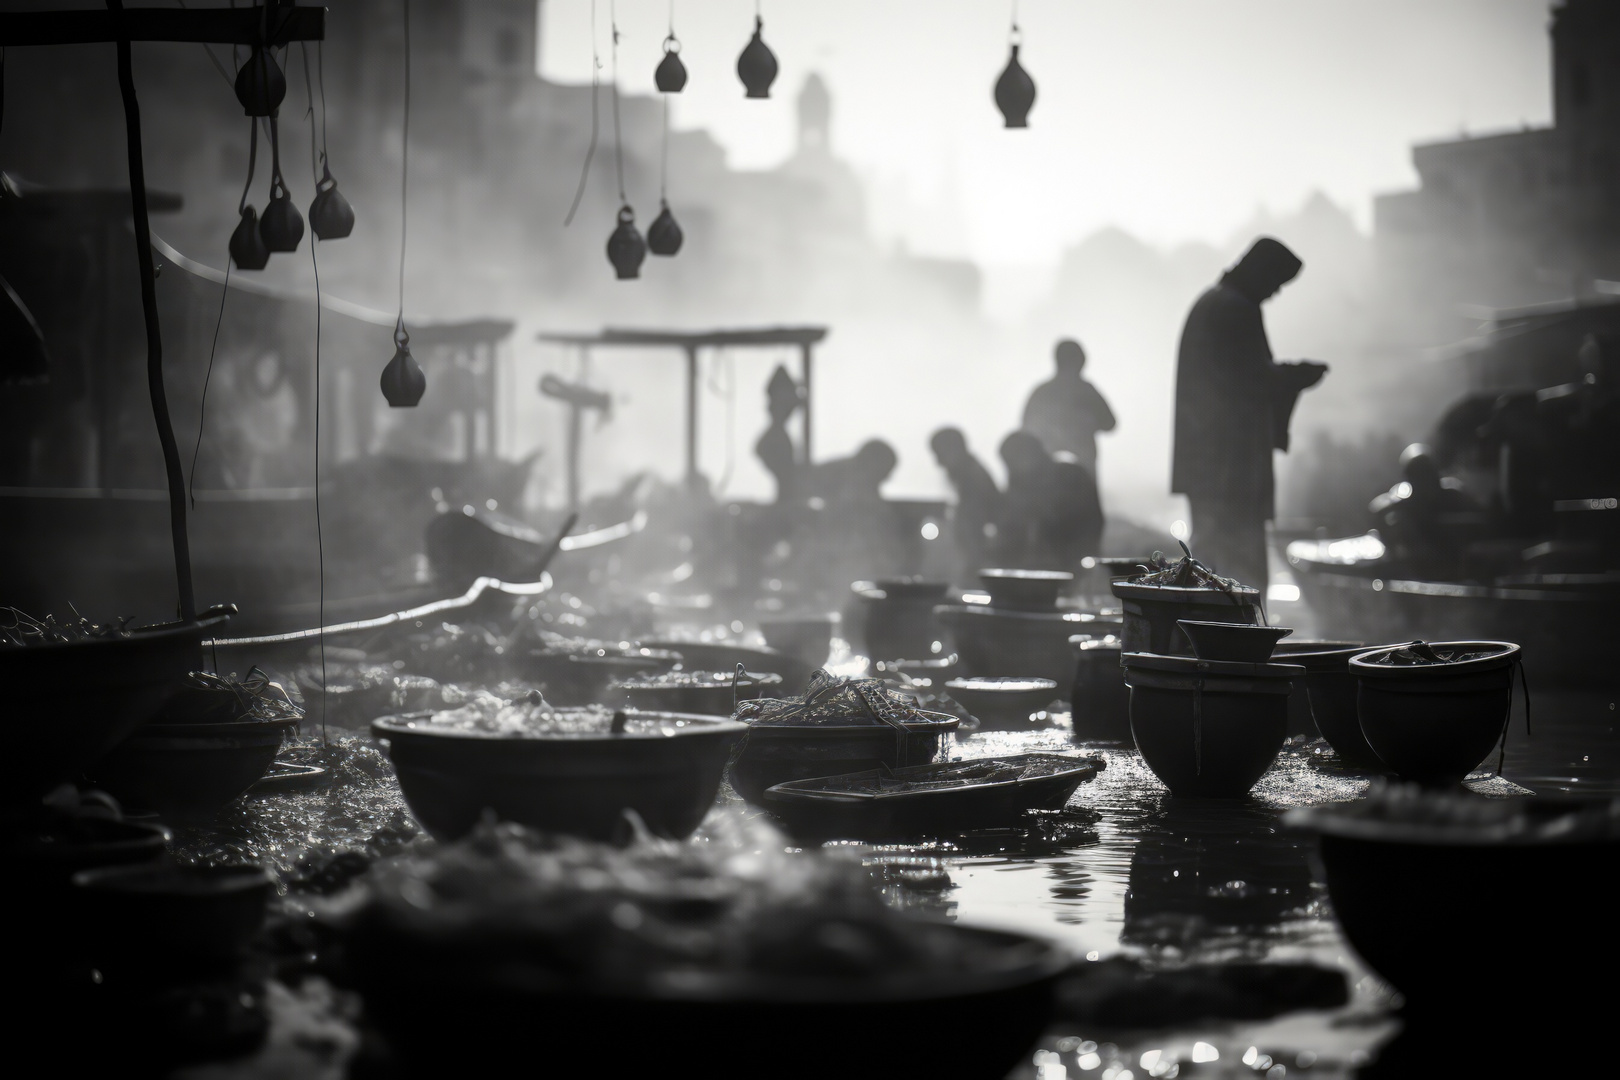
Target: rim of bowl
(698, 723)
(1502, 654)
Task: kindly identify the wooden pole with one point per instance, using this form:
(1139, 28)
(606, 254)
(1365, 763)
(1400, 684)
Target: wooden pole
(154, 335)
(691, 412)
(804, 381)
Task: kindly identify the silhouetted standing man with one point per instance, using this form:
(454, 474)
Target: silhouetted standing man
(1233, 404)
(1066, 412)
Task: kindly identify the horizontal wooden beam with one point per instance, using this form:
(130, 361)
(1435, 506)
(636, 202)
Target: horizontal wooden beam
(211, 26)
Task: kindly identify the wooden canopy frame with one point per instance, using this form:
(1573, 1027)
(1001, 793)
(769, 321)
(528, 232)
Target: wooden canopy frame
(691, 342)
(277, 22)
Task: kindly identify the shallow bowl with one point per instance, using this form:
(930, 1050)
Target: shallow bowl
(188, 772)
(858, 1028)
(774, 754)
(1001, 701)
(667, 768)
(1244, 643)
(807, 639)
(712, 695)
(1025, 590)
(161, 914)
(949, 798)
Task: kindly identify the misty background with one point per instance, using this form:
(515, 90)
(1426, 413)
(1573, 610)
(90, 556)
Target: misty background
(875, 192)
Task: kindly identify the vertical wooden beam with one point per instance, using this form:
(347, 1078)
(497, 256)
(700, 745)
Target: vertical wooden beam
(804, 381)
(691, 412)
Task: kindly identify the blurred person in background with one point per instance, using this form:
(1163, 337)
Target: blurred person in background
(978, 499)
(1233, 405)
(1050, 517)
(1066, 412)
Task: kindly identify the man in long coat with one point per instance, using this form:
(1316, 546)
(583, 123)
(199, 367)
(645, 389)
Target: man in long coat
(1233, 403)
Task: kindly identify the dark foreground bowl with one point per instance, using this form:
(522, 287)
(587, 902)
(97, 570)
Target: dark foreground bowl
(1434, 723)
(166, 915)
(1207, 728)
(1468, 925)
(963, 796)
(1244, 643)
(1003, 702)
(81, 700)
(43, 856)
(780, 1026)
(774, 754)
(579, 784)
(1025, 590)
(1100, 702)
(189, 772)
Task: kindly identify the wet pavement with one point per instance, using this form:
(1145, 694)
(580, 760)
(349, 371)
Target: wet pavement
(1127, 878)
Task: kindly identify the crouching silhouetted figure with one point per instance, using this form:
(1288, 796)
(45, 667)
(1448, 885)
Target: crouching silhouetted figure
(978, 500)
(1426, 519)
(1051, 518)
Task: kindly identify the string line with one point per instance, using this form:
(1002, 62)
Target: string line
(590, 150)
(404, 175)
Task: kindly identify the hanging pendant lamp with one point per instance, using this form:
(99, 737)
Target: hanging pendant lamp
(260, 85)
(330, 215)
(281, 227)
(756, 66)
(403, 383)
(247, 247)
(625, 247)
(670, 77)
(1015, 90)
(664, 235)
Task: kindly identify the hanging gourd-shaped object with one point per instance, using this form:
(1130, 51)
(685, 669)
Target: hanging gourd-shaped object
(756, 67)
(664, 235)
(247, 248)
(403, 383)
(281, 227)
(260, 85)
(1015, 92)
(625, 248)
(671, 74)
(330, 215)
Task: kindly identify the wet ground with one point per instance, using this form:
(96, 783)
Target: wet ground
(1130, 880)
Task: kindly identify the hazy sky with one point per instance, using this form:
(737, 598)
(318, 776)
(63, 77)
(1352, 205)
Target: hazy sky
(1175, 119)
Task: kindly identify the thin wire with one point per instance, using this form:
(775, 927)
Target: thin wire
(590, 151)
(663, 159)
(404, 176)
(320, 77)
(618, 144)
(320, 541)
(202, 409)
(253, 158)
(309, 114)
